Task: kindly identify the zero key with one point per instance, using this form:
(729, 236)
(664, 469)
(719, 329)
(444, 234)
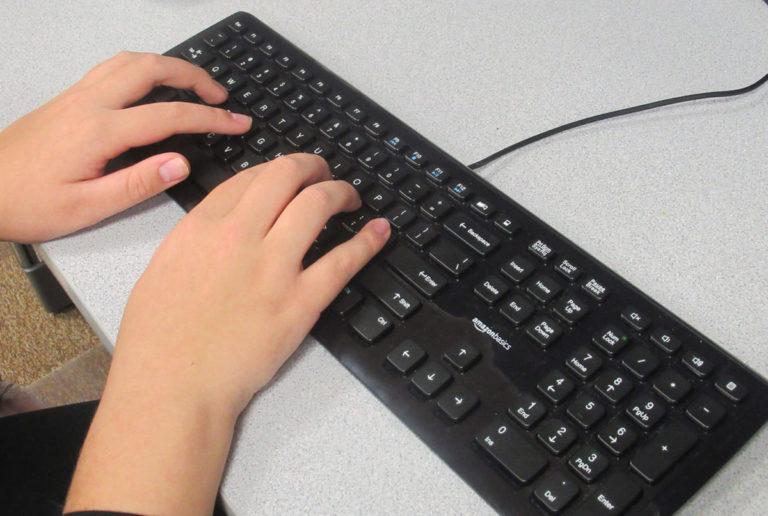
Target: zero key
(514, 453)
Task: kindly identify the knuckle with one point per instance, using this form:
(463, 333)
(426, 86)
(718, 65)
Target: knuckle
(176, 110)
(137, 186)
(342, 266)
(319, 197)
(148, 60)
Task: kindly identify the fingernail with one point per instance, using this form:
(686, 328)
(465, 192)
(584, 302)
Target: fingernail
(173, 170)
(381, 226)
(240, 119)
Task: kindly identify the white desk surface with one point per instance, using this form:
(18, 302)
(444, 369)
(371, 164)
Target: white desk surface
(674, 200)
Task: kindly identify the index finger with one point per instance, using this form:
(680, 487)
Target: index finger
(141, 72)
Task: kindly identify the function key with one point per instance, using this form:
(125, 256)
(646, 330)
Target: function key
(665, 340)
(527, 410)
(457, 402)
(459, 190)
(610, 339)
(375, 128)
(268, 49)
(595, 288)
(406, 356)
(613, 386)
(253, 37)
(437, 175)
(237, 25)
(698, 364)
(319, 86)
(588, 462)
(511, 450)
(635, 319)
(556, 435)
(706, 412)
(668, 446)
(394, 143)
(555, 491)
(541, 249)
(556, 386)
(370, 323)
(568, 270)
(415, 158)
(216, 39)
(505, 225)
(544, 330)
(285, 61)
(461, 355)
(482, 207)
(491, 289)
(302, 74)
(731, 388)
(671, 386)
(430, 379)
(338, 100)
(584, 363)
(355, 113)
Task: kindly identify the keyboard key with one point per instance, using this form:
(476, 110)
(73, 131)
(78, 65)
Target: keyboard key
(517, 269)
(346, 301)
(374, 128)
(372, 158)
(491, 289)
(584, 363)
(237, 25)
(665, 340)
(414, 190)
(227, 151)
(320, 149)
(302, 74)
(556, 386)
(671, 386)
(646, 411)
(610, 339)
(456, 402)
(245, 162)
(415, 159)
(264, 74)
(262, 141)
(285, 61)
(319, 86)
(461, 355)
(197, 55)
(511, 450)
(233, 82)
(595, 288)
(281, 124)
(655, 458)
(731, 388)
(360, 180)
(588, 463)
(635, 319)
(394, 143)
(586, 411)
(613, 496)
(268, 49)
(517, 309)
(471, 233)
(264, 109)
(459, 190)
(231, 50)
(406, 356)
(378, 199)
(613, 386)
(401, 300)
(568, 270)
(338, 99)
(416, 271)
(556, 435)
(400, 215)
(555, 491)
(544, 330)
(315, 114)
(436, 206)
(706, 412)
(527, 410)
(216, 69)
(571, 309)
(253, 37)
(352, 143)
(247, 96)
(451, 258)
(438, 175)
(430, 379)
(354, 222)
(543, 288)
(355, 113)
(541, 250)
(297, 100)
(698, 364)
(505, 225)
(339, 167)
(216, 38)
(246, 62)
(421, 234)
(482, 207)
(617, 436)
(300, 137)
(370, 323)
(640, 362)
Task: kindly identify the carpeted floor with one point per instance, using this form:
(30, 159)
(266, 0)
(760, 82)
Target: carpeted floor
(57, 356)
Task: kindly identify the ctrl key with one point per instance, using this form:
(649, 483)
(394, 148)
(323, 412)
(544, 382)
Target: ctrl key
(511, 450)
(614, 496)
(370, 323)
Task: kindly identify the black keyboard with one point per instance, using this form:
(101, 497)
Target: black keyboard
(546, 381)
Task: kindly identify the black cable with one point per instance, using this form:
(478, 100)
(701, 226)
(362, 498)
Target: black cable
(613, 114)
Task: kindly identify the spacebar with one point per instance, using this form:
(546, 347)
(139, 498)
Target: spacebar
(511, 450)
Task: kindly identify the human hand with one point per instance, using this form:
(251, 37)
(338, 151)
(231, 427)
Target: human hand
(52, 160)
(221, 306)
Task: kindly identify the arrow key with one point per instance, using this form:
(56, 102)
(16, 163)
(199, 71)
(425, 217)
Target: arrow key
(406, 356)
(461, 355)
(430, 379)
(556, 435)
(457, 402)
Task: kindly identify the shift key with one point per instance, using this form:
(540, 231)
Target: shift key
(427, 280)
(511, 450)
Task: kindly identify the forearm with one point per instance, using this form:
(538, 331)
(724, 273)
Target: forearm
(152, 452)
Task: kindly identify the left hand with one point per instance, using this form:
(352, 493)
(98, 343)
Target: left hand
(52, 160)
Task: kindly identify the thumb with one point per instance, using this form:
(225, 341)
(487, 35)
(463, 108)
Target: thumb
(122, 189)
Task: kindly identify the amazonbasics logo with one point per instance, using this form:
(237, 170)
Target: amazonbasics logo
(484, 328)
